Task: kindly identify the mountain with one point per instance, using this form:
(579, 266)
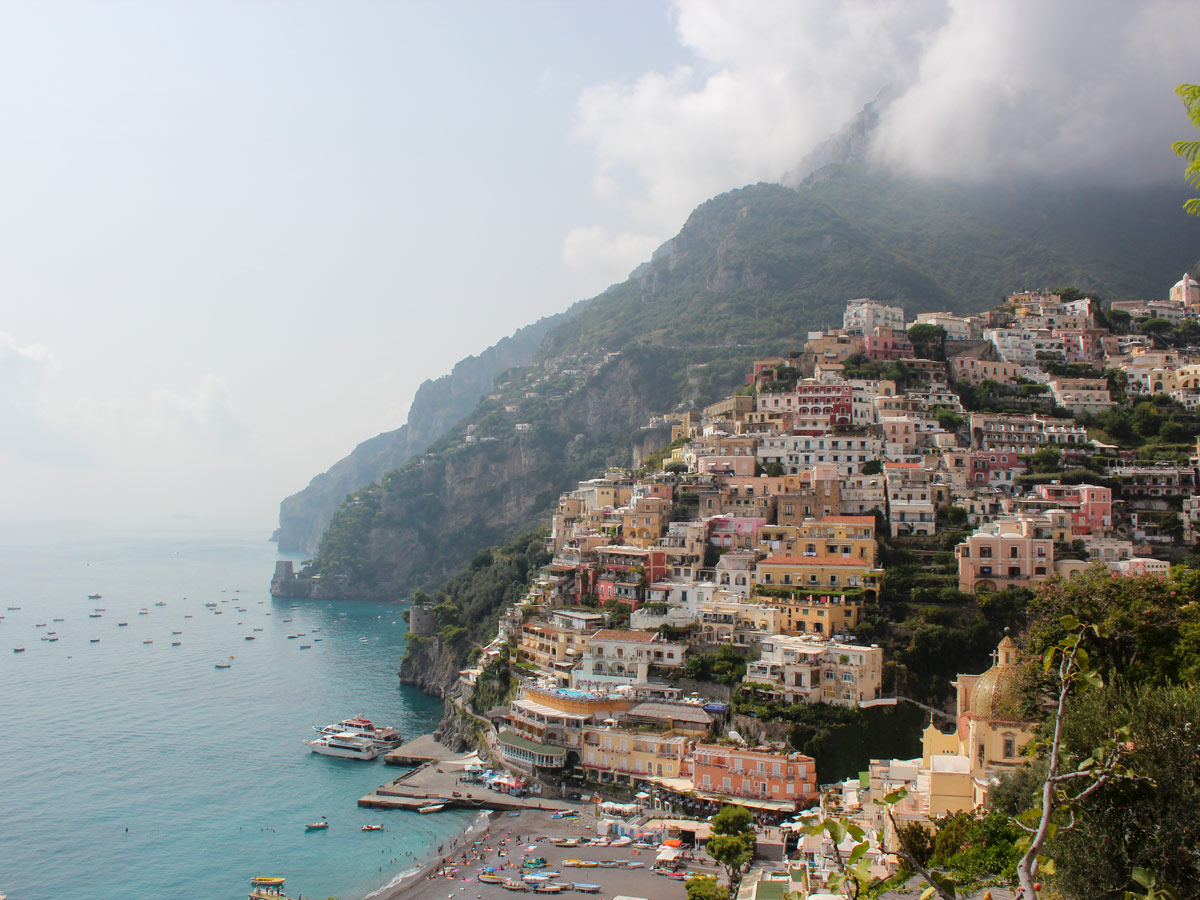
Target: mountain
(750, 272)
(437, 405)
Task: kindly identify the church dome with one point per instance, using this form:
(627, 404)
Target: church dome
(996, 695)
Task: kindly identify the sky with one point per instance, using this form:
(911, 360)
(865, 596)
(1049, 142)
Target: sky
(235, 237)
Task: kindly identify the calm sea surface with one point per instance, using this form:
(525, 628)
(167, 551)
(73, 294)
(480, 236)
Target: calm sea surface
(138, 770)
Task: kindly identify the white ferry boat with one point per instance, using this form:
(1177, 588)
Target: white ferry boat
(383, 736)
(347, 746)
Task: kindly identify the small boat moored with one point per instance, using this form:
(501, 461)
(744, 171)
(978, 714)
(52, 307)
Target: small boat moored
(317, 826)
(432, 808)
(346, 746)
(371, 828)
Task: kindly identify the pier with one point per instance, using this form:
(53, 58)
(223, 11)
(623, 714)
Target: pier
(435, 778)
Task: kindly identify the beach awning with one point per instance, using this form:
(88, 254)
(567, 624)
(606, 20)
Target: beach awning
(673, 842)
(668, 854)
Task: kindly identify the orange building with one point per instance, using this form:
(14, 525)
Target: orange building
(759, 774)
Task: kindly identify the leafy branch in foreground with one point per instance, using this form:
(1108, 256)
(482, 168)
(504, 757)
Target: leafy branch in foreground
(1062, 791)
(1190, 150)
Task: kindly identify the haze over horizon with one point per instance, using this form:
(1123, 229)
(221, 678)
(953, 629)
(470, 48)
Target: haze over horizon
(239, 236)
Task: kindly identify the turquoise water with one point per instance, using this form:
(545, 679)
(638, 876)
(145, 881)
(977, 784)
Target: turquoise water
(134, 770)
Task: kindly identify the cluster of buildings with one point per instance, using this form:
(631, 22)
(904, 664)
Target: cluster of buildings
(760, 527)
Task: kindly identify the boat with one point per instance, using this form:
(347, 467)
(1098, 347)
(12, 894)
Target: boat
(567, 842)
(318, 639)
(634, 864)
(371, 828)
(94, 597)
(18, 649)
(608, 863)
(93, 640)
(122, 624)
(210, 606)
(489, 878)
(223, 665)
(306, 646)
(317, 826)
(384, 736)
(143, 612)
(266, 888)
(548, 887)
(291, 636)
(432, 808)
(346, 746)
(535, 862)
(99, 609)
(176, 643)
(51, 638)
(176, 632)
(587, 863)
(93, 615)
(534, 878)
(249, 637)
(11, 608)
(510, 884)
(258, 629)
(584, 888)
(40, 625)
(58, 620)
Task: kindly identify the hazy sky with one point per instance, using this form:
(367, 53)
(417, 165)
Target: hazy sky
(235, 237)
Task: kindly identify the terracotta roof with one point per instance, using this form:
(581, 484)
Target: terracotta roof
(609, 634)
(815, 561)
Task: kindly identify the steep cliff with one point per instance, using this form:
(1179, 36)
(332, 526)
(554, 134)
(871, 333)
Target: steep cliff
(437, 406)
(749, 274)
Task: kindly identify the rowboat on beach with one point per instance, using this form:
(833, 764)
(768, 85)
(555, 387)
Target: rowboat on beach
(489, 878)
(584, 888)
(548, 888)
(510, 884)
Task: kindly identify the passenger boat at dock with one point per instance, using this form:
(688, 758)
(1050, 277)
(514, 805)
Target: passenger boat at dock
(346, 746)
(383, 736)
(432, 808)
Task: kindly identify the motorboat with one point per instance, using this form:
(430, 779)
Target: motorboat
(148, 642)
(608, 863)
(249, 637)
(58, 620)
(176, 632)
(306, 646)
(317, 826)
(94, 597)
(293, 636)
(384, 736)
(223, 665)
(122, 624)
(584, 888)
(51, 638)
(534, 878)
(344, 745)
(93, 615)
(93, 640)
(18, 649)
(432, 808)
(40, 625)
(161, 603)
(176, 643)
(266, 888)
(210, 606)
(371, 828)
(11, 608)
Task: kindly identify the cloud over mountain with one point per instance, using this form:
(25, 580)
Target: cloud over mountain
(984, 88)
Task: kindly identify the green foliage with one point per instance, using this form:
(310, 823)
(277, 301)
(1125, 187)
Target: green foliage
(843, 740)
(974, 846)
(917, 839)
(1150, 626)
(1190, 150)
(726, 666)
(929, 341)
(732, 843)
(733, 820)
(705, 887)
(1149, 822)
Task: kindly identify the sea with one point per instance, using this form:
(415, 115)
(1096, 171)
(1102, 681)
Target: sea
(132, 768)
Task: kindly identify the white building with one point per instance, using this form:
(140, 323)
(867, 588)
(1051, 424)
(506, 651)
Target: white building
(800, 669)
(864, 315)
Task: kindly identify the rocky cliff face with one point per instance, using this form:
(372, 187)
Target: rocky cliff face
(438, 405)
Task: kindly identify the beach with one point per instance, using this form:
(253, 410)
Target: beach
(533, 828)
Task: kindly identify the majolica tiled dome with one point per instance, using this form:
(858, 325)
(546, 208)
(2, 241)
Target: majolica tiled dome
(996, 694)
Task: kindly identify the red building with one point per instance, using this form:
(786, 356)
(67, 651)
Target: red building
(755, 773)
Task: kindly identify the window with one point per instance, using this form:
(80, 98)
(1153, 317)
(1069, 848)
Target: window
(1013, 553)
(1010, 746)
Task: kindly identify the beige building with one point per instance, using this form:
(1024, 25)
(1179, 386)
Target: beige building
(1010, 552)
(799, 669)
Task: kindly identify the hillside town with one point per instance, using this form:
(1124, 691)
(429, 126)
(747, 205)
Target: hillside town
(738, 568)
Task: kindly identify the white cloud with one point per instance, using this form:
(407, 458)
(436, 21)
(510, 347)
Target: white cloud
(602, 257)
(204, 414)
(986, 87)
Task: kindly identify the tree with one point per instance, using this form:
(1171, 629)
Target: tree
(1046, 459)
(733, 842)
(1064, 788)
(1190, 150)
(872, 467)
(705, 887)
(929, 341)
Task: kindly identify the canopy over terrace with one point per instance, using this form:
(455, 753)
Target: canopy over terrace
(684, 788)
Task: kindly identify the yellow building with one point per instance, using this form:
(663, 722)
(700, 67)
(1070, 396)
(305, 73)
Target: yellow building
(615, 755)
(823, 614)
(819, 572)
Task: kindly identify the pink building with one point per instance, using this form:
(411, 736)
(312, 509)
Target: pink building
(887, 344)
(832, 403)
(758, 774)
(1090, 505)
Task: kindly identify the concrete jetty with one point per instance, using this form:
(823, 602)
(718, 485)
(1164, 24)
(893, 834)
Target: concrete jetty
(437, 777)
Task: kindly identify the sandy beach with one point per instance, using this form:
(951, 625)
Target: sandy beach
(533, 828)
